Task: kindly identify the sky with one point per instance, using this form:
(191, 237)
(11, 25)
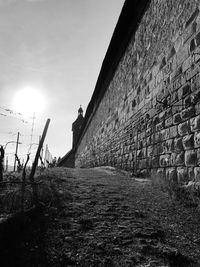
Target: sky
(55, 48)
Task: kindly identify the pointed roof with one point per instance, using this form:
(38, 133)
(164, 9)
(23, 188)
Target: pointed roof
(79, 120)
(80, 110)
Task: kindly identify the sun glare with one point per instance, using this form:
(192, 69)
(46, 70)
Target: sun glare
(28, 101)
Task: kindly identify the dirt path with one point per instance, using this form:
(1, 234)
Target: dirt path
(116, 220)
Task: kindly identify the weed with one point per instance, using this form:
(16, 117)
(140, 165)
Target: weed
(187, 193)
(48, 190)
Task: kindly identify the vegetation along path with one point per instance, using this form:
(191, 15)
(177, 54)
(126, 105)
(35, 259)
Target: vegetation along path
(105, 217)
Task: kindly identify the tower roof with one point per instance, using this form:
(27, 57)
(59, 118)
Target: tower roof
(80, 110)
(79, 120)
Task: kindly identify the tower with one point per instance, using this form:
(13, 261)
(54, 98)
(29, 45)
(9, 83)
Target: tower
(76, 126)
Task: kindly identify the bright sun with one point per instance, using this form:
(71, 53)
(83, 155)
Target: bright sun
(28, 101)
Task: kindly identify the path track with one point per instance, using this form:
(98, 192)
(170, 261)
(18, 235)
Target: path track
(113, 219)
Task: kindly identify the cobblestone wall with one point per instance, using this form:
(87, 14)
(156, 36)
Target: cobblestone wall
(149, 118)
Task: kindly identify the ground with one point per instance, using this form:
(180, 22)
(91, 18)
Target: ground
(108, 218)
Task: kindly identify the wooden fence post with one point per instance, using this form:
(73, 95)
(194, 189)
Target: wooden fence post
(31, 177)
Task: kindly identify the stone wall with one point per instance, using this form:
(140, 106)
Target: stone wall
(149, 117)
(68, 160)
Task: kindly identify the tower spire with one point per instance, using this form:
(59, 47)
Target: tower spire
(80, 111)
(76, 126)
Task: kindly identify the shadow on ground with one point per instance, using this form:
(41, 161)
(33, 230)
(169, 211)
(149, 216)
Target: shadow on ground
(108, 218)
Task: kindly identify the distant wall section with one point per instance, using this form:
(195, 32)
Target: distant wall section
(149, 117)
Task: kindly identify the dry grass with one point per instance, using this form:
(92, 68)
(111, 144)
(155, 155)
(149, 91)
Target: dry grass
(49, 189)
(188, 193)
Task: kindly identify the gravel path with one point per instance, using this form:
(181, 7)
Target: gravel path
(111, 219)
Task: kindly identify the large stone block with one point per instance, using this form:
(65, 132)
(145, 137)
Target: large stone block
(149, 122)
(162, 116)
(160, 126)
(195, 83)
(184, 128)
(195, 123)
(168, 113)
(155, 150)
(171, 175)
(180, 159)
(177, 108)
(148, 140)
(187, 102)
(160, 149)
(197, 174)
(177, 159)
(155, 120)
(190, 73)
(197, 139)
(165, 160)
(191, 175)
(149, 163)
(177, 118)
(173, 159)
(164, 135)
(185, 90)
(178, 144)
(155, 162)
(188, 142)
(168, 146)
(157, 137)
(168, 122)
(197, 109)
(190, 30)
(190, 157)
(152, 112)
(149, 151)
(173, 131)
(182, 175)
(195, 97)
(188, 113)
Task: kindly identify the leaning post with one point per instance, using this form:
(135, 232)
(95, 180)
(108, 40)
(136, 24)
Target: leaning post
(35, 163)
